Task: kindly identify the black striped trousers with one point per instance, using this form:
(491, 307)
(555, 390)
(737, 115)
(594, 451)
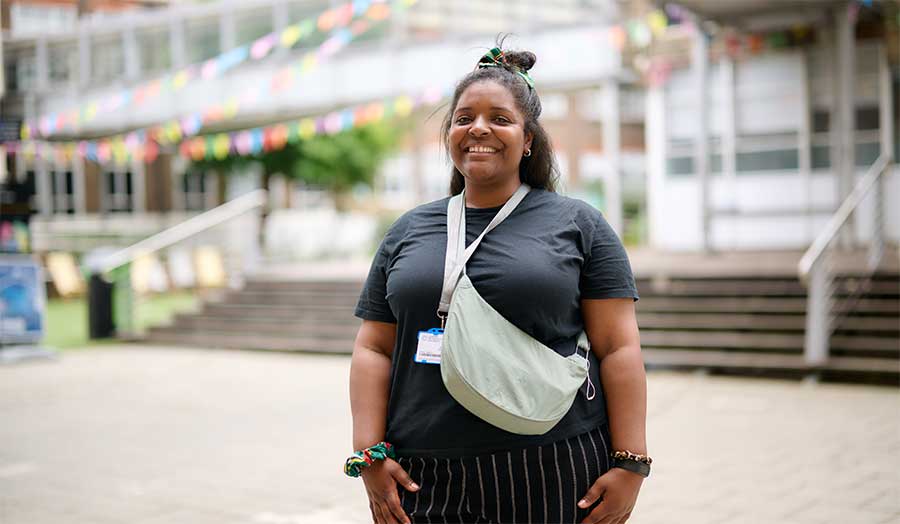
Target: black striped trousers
(538, 484)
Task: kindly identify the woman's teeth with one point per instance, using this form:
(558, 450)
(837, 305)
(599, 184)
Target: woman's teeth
(482, 149)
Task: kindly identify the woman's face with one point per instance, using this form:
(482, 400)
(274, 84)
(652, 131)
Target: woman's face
(487, 135)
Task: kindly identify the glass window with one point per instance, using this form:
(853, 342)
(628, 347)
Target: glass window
(202, 39)
(867, 119)
(63, 62)
(253, 24)
(26, 72)
(107, 58)
(154, 50)
(117, 197)
(777, 160)
(193, 184)
(63, 190)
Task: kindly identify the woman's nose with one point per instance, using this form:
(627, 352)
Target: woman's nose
(479, 127)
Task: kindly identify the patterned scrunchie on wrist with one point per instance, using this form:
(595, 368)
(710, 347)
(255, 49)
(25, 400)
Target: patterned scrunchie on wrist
(362, 459)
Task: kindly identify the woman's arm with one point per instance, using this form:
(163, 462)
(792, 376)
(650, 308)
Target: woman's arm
(370, 372)
(612, 329)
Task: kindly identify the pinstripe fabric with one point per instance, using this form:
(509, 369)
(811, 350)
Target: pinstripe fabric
(489, 489)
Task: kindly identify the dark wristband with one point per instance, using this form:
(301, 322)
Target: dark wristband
(634, 466)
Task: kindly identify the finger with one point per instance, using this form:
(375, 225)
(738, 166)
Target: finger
(372, 511)
(600, 515)
(593, 494)
(396, 509)
(624, 518)
(381, 515)
(402, 477)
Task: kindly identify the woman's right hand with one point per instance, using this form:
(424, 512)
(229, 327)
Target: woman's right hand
(381, 479)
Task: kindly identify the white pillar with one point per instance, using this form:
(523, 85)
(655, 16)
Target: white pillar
(43, 185)
(177, 47)
(700, 65)
(804, 146)
(612, 150)
(655, 143)
(78, 185)
(84, 57)
(227, 29)
(885, 105)
(42, 65)
(138, 187)
(728, 188)
(845, 111)
(130, 52)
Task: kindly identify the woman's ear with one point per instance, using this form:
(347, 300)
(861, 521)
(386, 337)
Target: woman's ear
(529, 136)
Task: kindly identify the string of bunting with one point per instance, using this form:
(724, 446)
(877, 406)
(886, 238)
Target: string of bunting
(640, 32)
(145, 143)
(347, 17)
(245, 142)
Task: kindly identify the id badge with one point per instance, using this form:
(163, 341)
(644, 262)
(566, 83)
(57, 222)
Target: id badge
(428, 350)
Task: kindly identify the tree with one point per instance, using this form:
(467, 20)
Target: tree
(334, 162)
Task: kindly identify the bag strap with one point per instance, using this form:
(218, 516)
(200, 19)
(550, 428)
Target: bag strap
(456, 256)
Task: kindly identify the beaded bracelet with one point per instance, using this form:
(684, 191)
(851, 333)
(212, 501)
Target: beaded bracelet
(362, 459)
(627, 455)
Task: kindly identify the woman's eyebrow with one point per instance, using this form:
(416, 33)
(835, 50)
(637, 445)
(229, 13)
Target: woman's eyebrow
(493, 108)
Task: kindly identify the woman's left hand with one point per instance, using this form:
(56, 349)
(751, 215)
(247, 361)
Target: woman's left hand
(619, 489)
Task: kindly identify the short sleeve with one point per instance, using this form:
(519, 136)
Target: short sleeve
(606, 272)
(373, 304)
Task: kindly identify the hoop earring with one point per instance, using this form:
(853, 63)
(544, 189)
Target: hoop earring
(527, 153)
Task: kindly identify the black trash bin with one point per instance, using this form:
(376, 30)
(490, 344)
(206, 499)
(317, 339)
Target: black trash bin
(100, 310)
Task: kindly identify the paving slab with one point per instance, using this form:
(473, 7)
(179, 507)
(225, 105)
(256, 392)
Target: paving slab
(144, 435)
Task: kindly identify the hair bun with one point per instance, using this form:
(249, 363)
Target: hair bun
(524, 60)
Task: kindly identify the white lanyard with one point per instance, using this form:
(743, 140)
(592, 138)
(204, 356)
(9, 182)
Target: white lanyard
(457, 254)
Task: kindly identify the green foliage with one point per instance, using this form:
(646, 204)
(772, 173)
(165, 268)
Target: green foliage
(338, 162)
(334, 162)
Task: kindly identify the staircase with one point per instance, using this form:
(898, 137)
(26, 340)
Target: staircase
(741, 325)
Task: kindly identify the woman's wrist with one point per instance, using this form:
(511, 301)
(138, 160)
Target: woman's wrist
(362, 459)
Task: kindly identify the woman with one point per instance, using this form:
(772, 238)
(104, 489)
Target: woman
(552, 268)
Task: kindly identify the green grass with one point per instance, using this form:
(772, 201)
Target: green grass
(67, 319)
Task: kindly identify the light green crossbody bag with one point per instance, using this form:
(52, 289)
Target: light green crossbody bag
(491, 367)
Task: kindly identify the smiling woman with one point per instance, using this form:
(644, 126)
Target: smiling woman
(553, 268)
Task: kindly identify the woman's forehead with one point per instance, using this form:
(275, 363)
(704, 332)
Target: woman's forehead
(486, 93)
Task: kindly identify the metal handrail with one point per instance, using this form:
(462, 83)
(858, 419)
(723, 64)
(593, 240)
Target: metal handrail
(840, 217)
(183, 231)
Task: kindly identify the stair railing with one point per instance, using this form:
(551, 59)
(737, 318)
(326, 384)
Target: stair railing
(116, 268)
(816, 268)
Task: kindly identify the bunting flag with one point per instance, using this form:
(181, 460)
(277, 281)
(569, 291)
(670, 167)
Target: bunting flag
(177, 130)
(351, 18)
(142, 147)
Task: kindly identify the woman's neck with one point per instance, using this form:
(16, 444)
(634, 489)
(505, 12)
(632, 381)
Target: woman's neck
(490, 196)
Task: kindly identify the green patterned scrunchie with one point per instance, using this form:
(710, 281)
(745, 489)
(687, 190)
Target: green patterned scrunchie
(362, 459)
(494, 58)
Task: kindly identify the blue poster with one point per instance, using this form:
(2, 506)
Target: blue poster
(22, 300)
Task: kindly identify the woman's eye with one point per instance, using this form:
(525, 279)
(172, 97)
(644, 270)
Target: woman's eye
(502, 119)
(462, 120)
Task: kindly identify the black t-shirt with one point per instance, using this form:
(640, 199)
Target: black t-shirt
(534, 268)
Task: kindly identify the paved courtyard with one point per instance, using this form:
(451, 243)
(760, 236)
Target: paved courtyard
(154, 435)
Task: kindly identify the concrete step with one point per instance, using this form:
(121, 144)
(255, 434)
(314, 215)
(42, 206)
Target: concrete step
(763, 342)
(303, 298)
(877, 306)
(760, 322)
(283, 312)
(759, 287)
(249, 341)
(332, 287)
(296, 327)
(882, 371)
